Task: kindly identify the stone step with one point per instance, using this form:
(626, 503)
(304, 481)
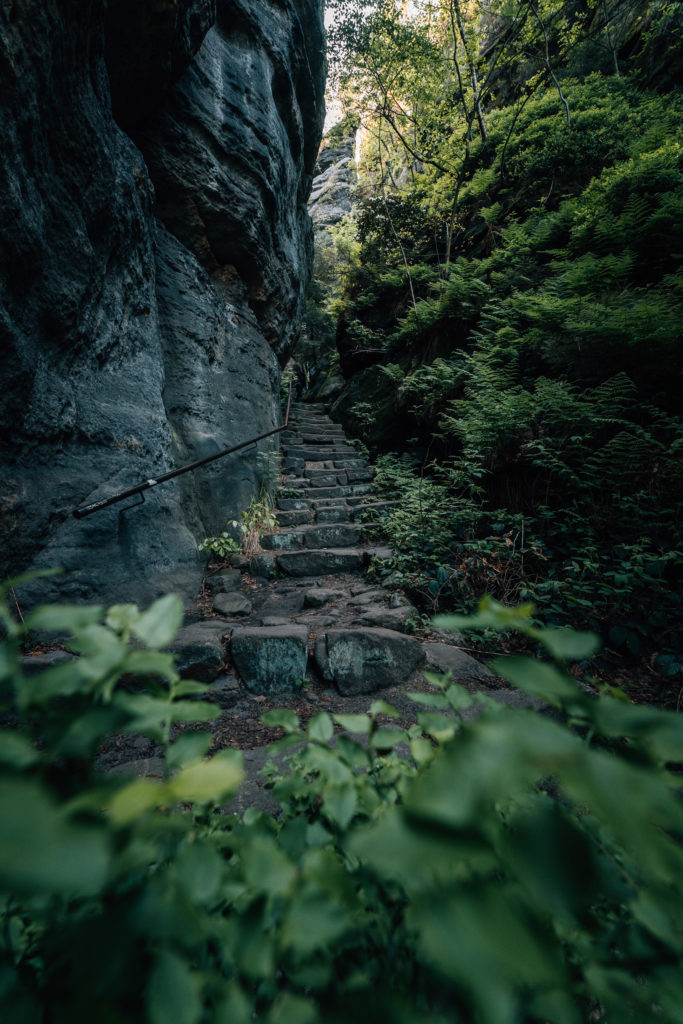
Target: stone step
(366, 659)
(298, 504)
(345, 491)
(296, 517)
(323, 452)
(321, 437)
(292, 505)
(332, 535)
(326, 561)
(332, 514)
(319, 563)
(325, 479)
(270, 659)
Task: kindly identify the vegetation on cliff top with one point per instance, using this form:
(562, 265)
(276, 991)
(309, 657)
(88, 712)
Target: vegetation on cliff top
(510, 299)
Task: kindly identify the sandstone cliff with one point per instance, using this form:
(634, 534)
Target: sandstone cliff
(154, 252)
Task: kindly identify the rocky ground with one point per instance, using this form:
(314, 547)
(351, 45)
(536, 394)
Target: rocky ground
(304, 624)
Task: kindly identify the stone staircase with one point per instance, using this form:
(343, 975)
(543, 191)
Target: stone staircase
(303, 625)
(335, 626)
(328, 490)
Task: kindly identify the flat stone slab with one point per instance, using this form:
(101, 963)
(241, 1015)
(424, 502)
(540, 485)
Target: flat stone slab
(320, 563)
(198, 650)
(271, 659)
(232, 604)
(324, 480)
(282, 541)
(342, 535)
(293, 505)
(444, 658)
(262, 565)
(335, 514)
(224, 581)
(317, 454)
(364, 660)
(298, 517)
(388, 618)
(316, 597)
(225, 691)
(366, 597)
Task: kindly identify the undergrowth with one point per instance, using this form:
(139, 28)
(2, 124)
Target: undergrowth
(484, 866)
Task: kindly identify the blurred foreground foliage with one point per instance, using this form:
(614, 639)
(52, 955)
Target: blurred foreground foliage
(504, 867)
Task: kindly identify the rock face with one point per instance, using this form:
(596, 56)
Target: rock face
(333, 184)
(154, 252)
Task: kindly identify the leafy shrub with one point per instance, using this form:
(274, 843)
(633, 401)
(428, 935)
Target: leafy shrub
(489, 869)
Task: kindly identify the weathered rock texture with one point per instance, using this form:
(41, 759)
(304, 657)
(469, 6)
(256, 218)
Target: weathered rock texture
(153, 260)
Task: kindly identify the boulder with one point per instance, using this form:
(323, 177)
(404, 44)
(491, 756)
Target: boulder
(444, 658)
(282, 541)
(272, 659)
(334, 514)
(198, 650)
(225, 691)
(365, 660)
(366, 597)
(388, 618)
(232, 604)
(336, 535)
(225, 581)
(316, 598)
(262, 565)
(320, 563)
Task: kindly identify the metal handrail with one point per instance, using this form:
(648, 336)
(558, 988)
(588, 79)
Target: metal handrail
(146, 485)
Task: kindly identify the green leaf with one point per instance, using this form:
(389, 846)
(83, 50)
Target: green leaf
(538, 678)
(188, 687)
(190, 746)
(173, 991)
(293, 1009)
(380, 707)
(491, 615)
(64, 618)
(352, 752)
(568, 643)
(233, 1007)
(136, 798)
(193, 711)
(339, 803)
(198, 868)
(421, 750)
(281, 718)
(320, 728)
(266, 868)
(385, 739)
(313, 921)
(159, 624)
(16, 751)
(42, 851)
(120, 617)
(354, 723)
(458, 697)
(430, 700)
(438, 726)
(209, 781)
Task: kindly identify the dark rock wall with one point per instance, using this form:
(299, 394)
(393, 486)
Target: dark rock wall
(131, 344)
